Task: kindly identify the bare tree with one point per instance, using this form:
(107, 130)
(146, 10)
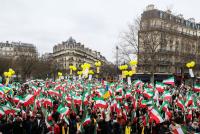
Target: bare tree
(150, 48)
(128, 44)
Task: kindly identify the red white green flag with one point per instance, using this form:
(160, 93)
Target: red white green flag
(128, 94)
(86, 121)
(167, 96)
(63, 110)
(28, 99)
(164, 106)
(53, 92)
(180, 104)
(77, 100)
(169, 81)
(48, 102)
(145, 103)
(196, 88)
(99, 102)
(179, 130)
(155, 115)
(189, 100)
(148, 93)
(1, 113)
(119, 89)
(160, 87)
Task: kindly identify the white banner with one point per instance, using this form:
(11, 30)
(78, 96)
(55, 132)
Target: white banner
(191, 73)
(129, 80)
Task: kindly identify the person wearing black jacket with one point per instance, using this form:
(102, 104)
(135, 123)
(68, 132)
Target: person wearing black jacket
(18, 125)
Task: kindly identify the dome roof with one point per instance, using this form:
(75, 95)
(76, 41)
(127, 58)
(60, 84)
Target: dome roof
(71, 41)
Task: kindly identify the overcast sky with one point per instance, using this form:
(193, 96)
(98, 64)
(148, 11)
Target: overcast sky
(95, 23)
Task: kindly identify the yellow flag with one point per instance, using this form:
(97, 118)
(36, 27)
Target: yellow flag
(142, 130)
(106, 95)
(63, 130)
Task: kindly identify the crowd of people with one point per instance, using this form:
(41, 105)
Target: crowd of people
(98, 107)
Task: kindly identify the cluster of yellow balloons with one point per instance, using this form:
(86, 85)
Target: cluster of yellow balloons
(190, 64)
(80, 72)
(91, 72)
(133, 62)
(98, 64)
(72, 68)
(123, 67)
(85, 66)
(59, 74)
(128, 73)
(10, 73)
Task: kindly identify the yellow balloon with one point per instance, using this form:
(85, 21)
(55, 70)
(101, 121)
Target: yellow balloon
(91, 72)
(125, 66)
(192, 63)
(10, 70)
(5, 74)
(59, 74)
(9, 74)
(133, 62)
(130, 73)
(126, 73)
(188, 65)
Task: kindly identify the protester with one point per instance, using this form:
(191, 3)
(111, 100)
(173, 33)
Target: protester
(95, 107)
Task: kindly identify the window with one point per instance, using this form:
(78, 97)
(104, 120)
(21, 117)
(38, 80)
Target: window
(161, 14)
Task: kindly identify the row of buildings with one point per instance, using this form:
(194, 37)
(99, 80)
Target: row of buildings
(167, 42)
(64, 54)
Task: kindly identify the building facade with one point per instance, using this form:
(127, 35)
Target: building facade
(16, 49)
(74, 53)
(167, 42)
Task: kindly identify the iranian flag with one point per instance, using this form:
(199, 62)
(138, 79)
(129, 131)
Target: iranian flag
(53, 92)
(1, 91)
(196, 88)
(167, 96)
(58, 87)
(119, 98)
(155, 115)
(63, 110)
(180, 104)
(164, 106)
(136, 83)
(145, 103)
(169, 81)
(77, 100)
(8, 109)
(86, 121)
(113, 104)
(160, 87)
(28, 99)
(147, 93)
(119, 89)
(128, 94)
(189, 116)
(179, 130)
(16, 99)
(126, 106)
(1, 113)
(48, 102)
(99, 102)
(189, 101)
(100, 92)
(85, 98)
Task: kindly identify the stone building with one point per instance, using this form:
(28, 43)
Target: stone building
(17, 49)
(74, 53)
(167, 42)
